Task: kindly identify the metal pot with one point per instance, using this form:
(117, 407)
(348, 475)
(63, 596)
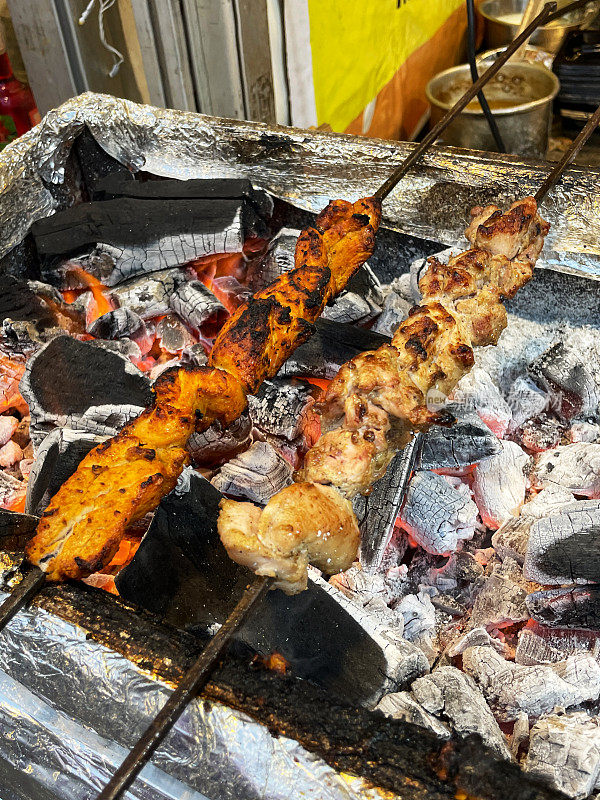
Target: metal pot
(520, 96)
(502, 18)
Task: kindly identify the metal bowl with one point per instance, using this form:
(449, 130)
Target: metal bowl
(520, 96)
(502, 18)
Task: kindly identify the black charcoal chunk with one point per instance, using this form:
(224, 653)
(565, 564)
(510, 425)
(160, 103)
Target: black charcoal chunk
(567, 607)
(281, 407)
(118, 324)
(215, 445)
(465, 442)
(256, 474)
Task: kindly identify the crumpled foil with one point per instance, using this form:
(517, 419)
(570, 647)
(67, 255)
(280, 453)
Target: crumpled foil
(70, 709)
(306, 168)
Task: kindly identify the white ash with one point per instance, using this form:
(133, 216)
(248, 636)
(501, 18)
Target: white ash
(402, 705)
(348, 307)
(395, 310)
(103, 420)
(118, 324)
(256, 474)
(512, 689)
(215, 444)
(405, 661)
(564, 752)
(194, 303)
(371, 592)
(281, 407)
(583, 431)
(436, 515)
(418, 613)
(510, 540)
(476, 637)
(575, 467)
(499, 484)
(501, 601)
(539, 645)
(526, 401)
(550, 499)
(477, 391)
(402, 287)
(452, 696)
(564, 548)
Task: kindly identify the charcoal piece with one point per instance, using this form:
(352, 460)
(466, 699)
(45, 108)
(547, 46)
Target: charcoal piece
(402, 705)
(16, 530)
(22, 261)
(215, 445)
(9, 488)
(348, 307)
(451, 695)
(418, 613)
(256, 474)
(145, 234)
(510, 540)
(465, 442)
(499, 484)
(18, 301)
(477, 391)
(56, 460)
(476, 637)
(571, 379)
(564, 548)
(377, 513)
(195, 304)
(512, 689)
(549, 500)
(567, 607)
(564, 752)
(539, 434)
(182, 572)
(360, 302)
(281, 407)
(394, 311)
(575, 467)
(541, 645)
(583, 431)
(526, 400)
(332, 344)
(278, 259)
(173, 334)
(501, 601)
(149, 296)
(75, 383)
(436, 515)
(95, 163)
(118, 324)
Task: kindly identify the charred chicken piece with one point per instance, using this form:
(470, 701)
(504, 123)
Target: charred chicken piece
(379, 397)
(120, 481)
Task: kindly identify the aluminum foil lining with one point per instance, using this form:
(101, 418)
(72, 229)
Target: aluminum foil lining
(69, 708)
(306, 168)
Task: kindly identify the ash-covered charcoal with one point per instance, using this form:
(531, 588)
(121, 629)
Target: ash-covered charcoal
(278, 259)
(550, 499)
(256, 474)
(477, 391)
(499, 484)
(564, 752)
(541, 645)
(348, 307)
(281, 407)
(513, 689)
(452, 696)
(418, 613)
(564, 547)
(510, 540)
(526, 401)
(501, 601)
(462, 444)
(539, 434)
(571, 377)
(477, 637)
(173, 335)
(402, 705)
(575, 467)
(436, 515)
(68, 382)
(583, 431)
(394, 311)
(20, 302)
(195, 304)
(332, 344)
(215, 445)
(120, 323)
(567, 607)
(149, 296)
(175, 224)
(57, 459)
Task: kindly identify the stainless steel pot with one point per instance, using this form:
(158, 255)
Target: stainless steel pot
(520, 96)
(502, 18)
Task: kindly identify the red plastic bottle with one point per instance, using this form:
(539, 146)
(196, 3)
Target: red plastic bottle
(18, 112)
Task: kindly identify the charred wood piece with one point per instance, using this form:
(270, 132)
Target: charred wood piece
(501, 601)
(256, 474)
(119, 324)
(281, 407)
(541, 645)
(575, 467)
(571, 379)
(526, 401)
(150, 295)
(564, 548)
(436, 515)
(195, 304)
(462, 444)
(215, 445)
(499, 484)
(567, 607)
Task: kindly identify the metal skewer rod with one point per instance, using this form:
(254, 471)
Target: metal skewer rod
(449, 117)
(556, 173)
(189, 686)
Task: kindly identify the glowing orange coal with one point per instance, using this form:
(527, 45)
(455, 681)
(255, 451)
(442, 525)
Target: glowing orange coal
(99, 303)
(276, 662)
(11, 372)
(225, 273)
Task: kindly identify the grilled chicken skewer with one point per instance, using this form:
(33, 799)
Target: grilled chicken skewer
(380, 397)
(118, 482)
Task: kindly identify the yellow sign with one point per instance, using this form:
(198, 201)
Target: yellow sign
(359, 45)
